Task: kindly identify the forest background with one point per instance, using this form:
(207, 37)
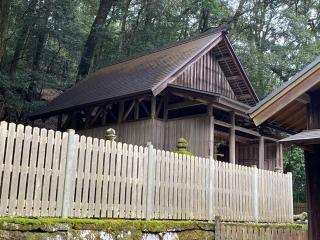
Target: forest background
(46, 46)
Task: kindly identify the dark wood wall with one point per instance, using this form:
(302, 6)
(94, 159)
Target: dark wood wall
(162, 134)
(206, 75)
(248, 155)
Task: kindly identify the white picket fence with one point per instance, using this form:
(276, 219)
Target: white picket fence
(52, 174)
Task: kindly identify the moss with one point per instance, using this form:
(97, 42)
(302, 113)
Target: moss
(276, 226)
(115, 227)
(184, 152)
(195, 235)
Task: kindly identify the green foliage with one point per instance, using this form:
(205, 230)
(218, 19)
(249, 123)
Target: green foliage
(294, 162)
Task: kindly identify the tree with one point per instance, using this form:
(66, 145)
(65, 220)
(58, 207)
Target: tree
(4, 16)
(294, 163)
(92, 40)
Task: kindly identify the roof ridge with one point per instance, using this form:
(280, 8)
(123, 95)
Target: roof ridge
(170, 45)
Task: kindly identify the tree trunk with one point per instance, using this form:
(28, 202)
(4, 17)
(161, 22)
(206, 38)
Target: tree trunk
(90, 45)
(204, 20)
(148, 8)
(22, 36)
(123, 26)
(4, 15)
(18, 49)
(42, 32)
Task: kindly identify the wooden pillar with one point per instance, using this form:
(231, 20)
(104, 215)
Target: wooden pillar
(153, 107)
(211, 133)
(136, 110)
(312, 166)
(165, 107)
(232, 139)
(261, 152)
(279, 156)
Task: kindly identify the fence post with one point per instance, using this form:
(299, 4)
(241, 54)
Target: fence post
(69, 174)
(290, 196)
(150, 181)
(255, 193)
(210, 189)
(217, 228)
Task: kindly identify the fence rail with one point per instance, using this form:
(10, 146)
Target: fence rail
(53, 174)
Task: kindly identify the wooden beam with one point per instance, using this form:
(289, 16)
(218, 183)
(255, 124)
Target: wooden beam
(244, 130)
(305, 99)
(224, 58)
(96, 116)
(159, 107)
(261, 153)
(145, 108)
(125, 116)
(136, 110)
(192, 98)
(183, 105)
(165, 107)
(234, 78)
(120, 111)
(153, 107)
(232, 139)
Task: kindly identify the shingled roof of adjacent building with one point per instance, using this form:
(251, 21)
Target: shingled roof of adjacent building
(145, 73)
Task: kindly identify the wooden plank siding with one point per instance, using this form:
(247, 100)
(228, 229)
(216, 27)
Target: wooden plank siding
(206, 75)
(248, 155)
(162, 134)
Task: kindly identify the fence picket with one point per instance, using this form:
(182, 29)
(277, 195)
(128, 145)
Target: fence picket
(15, 171)
(47, 174)
(24, 169)
(106, 179)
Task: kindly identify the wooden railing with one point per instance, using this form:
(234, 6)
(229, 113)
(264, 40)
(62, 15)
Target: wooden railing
(53, 174)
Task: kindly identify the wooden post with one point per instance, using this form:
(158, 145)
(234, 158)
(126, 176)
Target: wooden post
(165, 107)
(136, 110)
(211, 131)
(150, 181)
(210, 189)
(290, 195)
(69, 174)
(232, 139)
(312, 166)
(279, 156)
(255, 202)
(217, 230)
(261, 152)
(153, 107)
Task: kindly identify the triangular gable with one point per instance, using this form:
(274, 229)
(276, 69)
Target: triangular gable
(206, 75)
(290, 99)
(234, 83)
